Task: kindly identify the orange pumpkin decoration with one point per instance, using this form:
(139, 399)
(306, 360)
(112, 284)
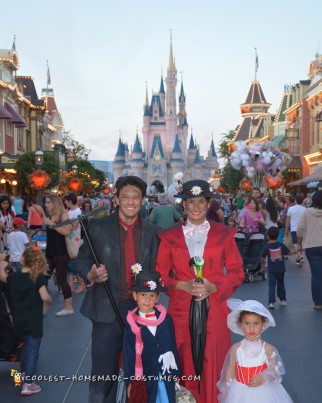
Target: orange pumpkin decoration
(39, 179)
(245, 185)
(232, 147)
(273, 183)
(75, 184)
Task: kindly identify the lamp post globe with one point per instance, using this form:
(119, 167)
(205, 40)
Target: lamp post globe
(39, 158)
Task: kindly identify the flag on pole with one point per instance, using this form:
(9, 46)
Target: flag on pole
(256, 61)
(48, 75)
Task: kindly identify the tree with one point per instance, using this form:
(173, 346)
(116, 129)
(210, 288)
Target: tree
(26, 164)
(80, 151)
(87, 173)
(230, 176)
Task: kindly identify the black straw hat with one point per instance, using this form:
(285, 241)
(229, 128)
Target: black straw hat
(195, 188)
(147, 281)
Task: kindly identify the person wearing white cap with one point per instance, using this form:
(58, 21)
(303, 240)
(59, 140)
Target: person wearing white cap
(253, 369)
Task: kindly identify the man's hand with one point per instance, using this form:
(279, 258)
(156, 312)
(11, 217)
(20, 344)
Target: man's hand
(98, 274)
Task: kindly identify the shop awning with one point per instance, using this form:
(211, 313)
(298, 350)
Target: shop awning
(4, 114)
(314, 176)
(278, 139)
(16, 119)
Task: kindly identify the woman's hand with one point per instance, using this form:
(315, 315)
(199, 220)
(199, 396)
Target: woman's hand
(46, 220)
(98, 274)
(256, 380)
(199, 290)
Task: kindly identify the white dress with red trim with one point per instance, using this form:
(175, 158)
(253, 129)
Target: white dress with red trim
(243, 361)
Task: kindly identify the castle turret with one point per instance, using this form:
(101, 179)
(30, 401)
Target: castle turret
(162, 94)
(211, 162)
(137, 160)
(119, 159)
(191, 152)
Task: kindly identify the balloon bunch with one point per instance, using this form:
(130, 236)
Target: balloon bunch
(259, 158)
(175, 187)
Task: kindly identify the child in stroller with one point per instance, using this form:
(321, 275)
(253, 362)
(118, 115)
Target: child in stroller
(250, 246)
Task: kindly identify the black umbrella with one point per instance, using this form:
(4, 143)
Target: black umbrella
(198, 321)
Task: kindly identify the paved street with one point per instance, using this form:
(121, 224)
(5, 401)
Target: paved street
(66, 345)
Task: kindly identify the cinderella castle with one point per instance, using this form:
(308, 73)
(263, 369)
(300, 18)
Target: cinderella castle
(165, 150)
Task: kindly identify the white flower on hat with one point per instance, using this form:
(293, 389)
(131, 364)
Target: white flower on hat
(196, 190)
(152, 285)
(136, 268)
(178, 176)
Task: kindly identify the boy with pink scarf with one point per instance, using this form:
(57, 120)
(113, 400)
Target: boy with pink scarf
(149, 345)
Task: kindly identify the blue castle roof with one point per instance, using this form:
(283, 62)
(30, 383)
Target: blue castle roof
(192, 143)
(176, 147)
(197, 157)
(120, 149)
(148, 110)
(162, 86)
(213, 151)
(182, 96)
(157, 143)
(137, 148)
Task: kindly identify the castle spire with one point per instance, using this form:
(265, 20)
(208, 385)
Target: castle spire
(146, 95)
(161, 85)
(171, 65)
(212, 147)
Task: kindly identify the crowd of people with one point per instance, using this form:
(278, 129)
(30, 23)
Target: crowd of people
(144, 245)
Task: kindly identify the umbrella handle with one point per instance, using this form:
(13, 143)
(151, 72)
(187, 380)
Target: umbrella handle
(106, 284)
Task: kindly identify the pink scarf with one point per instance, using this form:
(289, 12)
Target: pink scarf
(132, 319)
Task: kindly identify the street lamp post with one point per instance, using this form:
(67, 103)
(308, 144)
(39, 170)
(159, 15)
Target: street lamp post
(39, 158)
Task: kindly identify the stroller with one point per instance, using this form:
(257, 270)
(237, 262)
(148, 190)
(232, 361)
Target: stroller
(250, 247)
(10, 343)
(40, 239)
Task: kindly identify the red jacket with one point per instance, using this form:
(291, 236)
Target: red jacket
(220, 253)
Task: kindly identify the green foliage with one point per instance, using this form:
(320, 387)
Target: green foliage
(230, 176)
(87, 172)
(80, 151)
(223, 145)
(100, 176)
(26, 164)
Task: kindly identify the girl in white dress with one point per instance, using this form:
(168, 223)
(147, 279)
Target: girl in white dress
(253, 369)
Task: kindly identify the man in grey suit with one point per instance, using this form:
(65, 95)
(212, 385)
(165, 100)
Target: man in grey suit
(120, 240)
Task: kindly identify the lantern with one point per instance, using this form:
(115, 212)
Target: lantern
(75, 184)
(221, 189)
(106, 191)
(39, 179)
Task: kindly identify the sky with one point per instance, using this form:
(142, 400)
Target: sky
(101, 54)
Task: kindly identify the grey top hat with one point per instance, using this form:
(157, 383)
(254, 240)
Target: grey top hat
(147, 281)
(195, 188)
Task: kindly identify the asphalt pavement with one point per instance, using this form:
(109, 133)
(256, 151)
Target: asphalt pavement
(65, 351)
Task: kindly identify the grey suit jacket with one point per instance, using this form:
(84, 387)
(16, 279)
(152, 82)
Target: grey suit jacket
(104, 233)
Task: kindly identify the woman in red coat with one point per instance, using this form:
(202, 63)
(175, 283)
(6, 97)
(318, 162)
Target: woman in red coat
(222, 275)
